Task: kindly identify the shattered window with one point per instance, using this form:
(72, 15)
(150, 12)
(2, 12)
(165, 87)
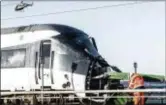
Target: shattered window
(84, 42)
(13, 58)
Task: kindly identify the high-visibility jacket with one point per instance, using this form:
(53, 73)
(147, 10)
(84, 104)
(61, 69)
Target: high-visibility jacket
(139, 98)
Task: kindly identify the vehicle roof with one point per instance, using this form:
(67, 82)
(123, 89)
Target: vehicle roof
(36, 27)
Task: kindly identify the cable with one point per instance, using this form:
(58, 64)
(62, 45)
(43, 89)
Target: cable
(76, 10)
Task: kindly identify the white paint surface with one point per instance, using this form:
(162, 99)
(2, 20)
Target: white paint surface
(8, 40)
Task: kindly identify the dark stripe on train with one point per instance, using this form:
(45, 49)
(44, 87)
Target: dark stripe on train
(36, 27)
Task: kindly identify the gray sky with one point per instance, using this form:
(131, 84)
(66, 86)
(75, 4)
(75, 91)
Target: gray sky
(124, 34)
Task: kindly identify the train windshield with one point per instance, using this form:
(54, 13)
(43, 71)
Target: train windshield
(78, 45)
(83, 41)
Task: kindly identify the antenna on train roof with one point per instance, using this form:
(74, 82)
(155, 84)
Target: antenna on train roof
(22, 5)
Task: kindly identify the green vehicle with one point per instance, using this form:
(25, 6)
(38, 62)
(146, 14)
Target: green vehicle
(120, 81)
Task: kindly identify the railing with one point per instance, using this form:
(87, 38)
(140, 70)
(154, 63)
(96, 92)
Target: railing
(87, 91)
(58, 95)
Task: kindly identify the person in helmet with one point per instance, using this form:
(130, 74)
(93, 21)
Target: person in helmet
(137, 82)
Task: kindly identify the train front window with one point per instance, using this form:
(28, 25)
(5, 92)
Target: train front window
(13, 58)
(84, 42)
(80, 42)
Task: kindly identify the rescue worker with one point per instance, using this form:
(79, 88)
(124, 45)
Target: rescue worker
(137, 82)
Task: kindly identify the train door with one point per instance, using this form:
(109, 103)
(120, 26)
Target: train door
(44, 65)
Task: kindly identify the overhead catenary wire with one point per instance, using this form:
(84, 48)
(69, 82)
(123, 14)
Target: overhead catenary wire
(75, 10)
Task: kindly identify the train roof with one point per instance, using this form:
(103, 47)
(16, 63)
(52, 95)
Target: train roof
(37, 27)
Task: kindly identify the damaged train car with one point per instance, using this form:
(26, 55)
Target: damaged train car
(65, 58)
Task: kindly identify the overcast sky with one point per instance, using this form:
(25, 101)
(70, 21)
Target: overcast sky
(124, 34)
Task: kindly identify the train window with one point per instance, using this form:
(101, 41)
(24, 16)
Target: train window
(84, 42)
(13, 58)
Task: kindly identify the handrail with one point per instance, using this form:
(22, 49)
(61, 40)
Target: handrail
(51, 69)
(36, 62)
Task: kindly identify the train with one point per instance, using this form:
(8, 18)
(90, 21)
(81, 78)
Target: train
(51, 56)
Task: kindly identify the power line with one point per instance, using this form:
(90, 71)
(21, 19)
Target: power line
(76, 10)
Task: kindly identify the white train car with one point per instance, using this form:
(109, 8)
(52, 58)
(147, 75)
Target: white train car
(67, 56)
